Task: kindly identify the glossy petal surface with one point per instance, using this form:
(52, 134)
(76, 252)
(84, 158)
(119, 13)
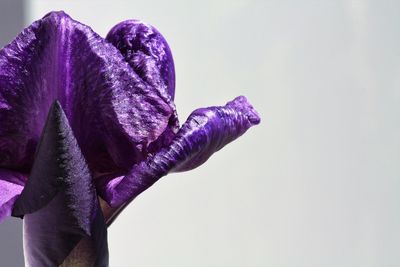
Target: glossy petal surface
(148, 53)
(59, 202)
(114, 114)
(206, 131)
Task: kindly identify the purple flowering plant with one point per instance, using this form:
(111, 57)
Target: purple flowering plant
(86, 125)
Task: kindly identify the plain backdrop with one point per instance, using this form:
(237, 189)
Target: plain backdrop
(317, 183)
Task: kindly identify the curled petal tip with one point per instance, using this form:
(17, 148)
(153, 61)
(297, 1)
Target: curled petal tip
(241, 104)
(206, 131)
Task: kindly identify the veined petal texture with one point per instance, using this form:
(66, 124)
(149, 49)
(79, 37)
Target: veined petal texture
(206, 131)
(115, 115)
(148, 53)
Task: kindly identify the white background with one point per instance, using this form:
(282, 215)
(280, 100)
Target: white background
(317, 183)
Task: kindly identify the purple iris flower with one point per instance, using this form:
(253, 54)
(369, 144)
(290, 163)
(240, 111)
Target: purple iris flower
(86, 125)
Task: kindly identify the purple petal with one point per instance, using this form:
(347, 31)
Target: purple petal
(59, 202)
(114, 114)
(148, 53)
(11, 185)
(206, 131)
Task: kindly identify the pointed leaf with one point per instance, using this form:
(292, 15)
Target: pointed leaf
(59, 202)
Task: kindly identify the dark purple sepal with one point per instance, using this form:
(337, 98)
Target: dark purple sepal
(59, 202)
(58, 165)
(91, 250)
(206, 131)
